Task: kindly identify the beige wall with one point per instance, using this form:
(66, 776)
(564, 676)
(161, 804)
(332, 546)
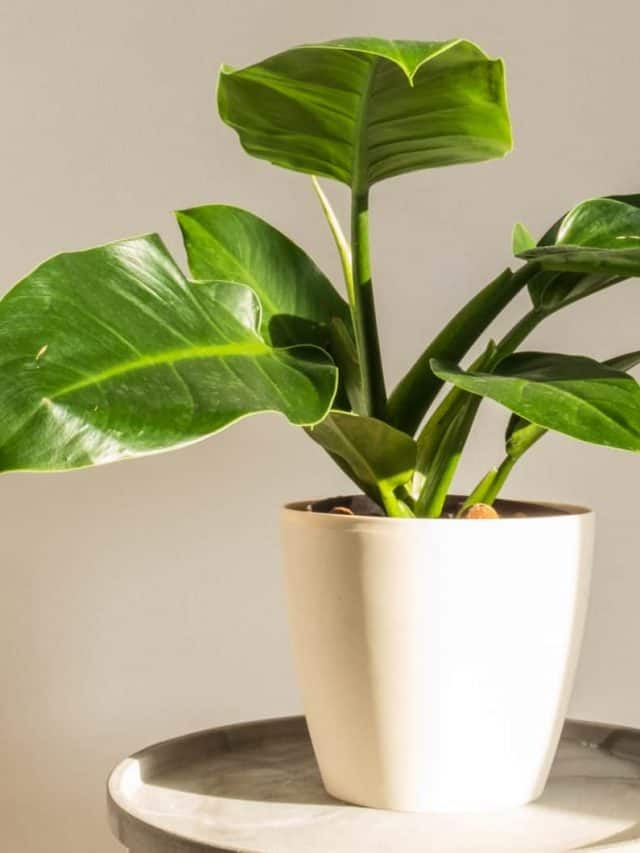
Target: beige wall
(143, 600)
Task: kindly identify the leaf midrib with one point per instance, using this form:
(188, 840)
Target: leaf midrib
(582, 401)
(167, 358)
(360, 162)
(366, 465)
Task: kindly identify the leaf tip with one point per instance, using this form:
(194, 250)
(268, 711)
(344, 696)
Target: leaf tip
(521, 239)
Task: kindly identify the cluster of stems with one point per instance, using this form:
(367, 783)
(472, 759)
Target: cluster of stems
(442, 437)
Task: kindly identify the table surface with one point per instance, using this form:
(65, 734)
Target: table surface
(256, 788)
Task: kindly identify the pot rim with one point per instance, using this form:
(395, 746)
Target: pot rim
(558, 511)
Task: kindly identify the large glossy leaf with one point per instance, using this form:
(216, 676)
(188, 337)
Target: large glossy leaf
(298, 301)
(376, 456)
(363, 109)
(570, 394)
(111, 353)
(595, 245)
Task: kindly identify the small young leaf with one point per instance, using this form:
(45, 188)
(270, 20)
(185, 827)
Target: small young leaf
(521, 239)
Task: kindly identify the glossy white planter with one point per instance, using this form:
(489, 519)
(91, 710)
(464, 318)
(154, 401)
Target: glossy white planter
(436, 656)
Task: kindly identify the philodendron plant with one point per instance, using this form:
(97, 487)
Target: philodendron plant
(112, 353)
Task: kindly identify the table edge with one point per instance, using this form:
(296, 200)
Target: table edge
(128, 828)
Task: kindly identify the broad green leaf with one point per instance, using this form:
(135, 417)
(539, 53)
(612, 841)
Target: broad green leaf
(110, 353)
(364, 109)
(521, 239)
(297, 299)
(595, 245)
(522, 434)
(376, 456)
(570, 394)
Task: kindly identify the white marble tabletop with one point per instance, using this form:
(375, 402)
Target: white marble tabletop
(255, 788)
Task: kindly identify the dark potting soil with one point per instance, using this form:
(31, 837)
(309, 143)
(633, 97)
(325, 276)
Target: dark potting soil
(363, 505)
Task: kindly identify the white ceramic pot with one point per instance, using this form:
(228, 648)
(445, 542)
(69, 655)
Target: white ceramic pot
(436, 656)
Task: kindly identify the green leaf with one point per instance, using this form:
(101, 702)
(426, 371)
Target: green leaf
(615, 263)
(364, 109)
(573, 395)
(377, 457)
(624, 362)
(343, 349)
(522, 434)
(595, 245)
(551, 290)
(110, 353)
(297, 299)
(601, 223)
(341, 243)
(521, 239)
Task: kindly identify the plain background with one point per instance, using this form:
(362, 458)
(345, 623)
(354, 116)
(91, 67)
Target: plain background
(143, 600)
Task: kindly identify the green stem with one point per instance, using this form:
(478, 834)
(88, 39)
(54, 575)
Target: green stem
(445, 434)
(445, 461)
(502, 472)
(515, 336)
(393, 506)
(416, 392)
(370, 358)
(478, 495)
(438, 424)
(490, 485)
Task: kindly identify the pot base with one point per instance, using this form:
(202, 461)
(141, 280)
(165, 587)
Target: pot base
(430, 805)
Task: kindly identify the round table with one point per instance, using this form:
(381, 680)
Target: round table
(255, 788)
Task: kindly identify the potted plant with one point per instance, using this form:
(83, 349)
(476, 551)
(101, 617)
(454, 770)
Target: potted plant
(435, 654)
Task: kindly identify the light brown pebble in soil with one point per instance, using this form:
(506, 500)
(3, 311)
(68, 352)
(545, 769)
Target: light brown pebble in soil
(480, 511)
